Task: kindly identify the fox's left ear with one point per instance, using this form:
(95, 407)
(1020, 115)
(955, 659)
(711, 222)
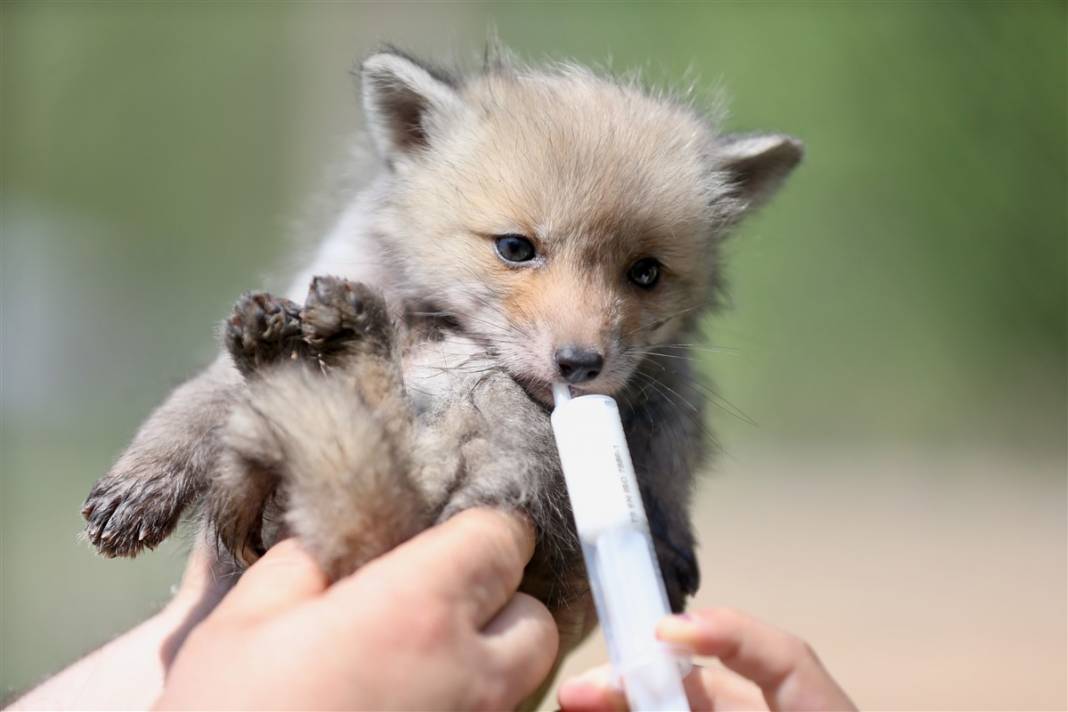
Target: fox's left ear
(404, 101)
(757, 164)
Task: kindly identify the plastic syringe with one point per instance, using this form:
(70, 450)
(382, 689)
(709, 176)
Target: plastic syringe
(628, 589)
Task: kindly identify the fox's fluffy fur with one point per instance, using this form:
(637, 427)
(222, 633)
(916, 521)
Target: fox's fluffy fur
(356, 436)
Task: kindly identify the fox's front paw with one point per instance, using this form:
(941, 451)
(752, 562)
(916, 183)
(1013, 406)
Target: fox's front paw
(127, 514)
(678, 566)
(263, 329)
(342, 316)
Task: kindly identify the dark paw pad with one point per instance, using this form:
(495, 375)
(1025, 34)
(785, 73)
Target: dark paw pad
(263, 329)
(340, 314)
(124, 517)
(678, 565)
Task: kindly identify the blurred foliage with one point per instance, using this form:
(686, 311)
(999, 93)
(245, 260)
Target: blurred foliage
(906, 289)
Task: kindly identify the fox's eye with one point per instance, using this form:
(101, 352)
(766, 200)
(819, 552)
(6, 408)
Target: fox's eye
(515, 248)
(645, 272)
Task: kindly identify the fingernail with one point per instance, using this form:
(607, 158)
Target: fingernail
(586, 692)
(679, 628)
(570, 686)
(597, 677)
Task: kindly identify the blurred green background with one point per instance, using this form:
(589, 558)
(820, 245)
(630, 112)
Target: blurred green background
(904, 294)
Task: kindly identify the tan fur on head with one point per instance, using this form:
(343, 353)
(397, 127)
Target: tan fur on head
(597, 173)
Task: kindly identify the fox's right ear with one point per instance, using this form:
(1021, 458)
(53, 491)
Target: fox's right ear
(757, 164)
(402, 100)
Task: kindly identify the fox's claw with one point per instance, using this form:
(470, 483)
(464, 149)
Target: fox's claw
(340, 315)
(262, 330)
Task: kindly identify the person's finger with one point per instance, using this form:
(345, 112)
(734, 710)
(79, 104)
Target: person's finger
(709, 689)
(522, 641)
(472, 563)
(284, 576)
(787, 671)
(595, 690)
(717, 689)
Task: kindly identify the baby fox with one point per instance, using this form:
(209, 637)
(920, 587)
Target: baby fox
(528, 226)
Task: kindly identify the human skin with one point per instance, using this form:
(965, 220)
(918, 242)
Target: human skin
(443, 604)
(434, 624)
(763, 668)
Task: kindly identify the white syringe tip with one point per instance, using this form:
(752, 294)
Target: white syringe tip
(561, 393)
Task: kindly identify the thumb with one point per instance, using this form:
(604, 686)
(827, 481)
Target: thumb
(284, 577)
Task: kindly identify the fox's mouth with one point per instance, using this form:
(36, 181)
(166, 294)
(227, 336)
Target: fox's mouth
(537, 389)
(533, 381)
(541, 390)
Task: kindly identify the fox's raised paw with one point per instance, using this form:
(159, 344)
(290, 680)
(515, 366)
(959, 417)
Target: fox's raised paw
(343, 316)
(125, 515)
(261, 330)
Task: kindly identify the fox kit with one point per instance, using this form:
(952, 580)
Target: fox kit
(528, 226)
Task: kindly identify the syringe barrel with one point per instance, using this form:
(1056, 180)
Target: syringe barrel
(620, 560)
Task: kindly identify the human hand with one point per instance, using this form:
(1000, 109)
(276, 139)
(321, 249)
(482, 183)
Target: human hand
(436, 623)
(765, 669)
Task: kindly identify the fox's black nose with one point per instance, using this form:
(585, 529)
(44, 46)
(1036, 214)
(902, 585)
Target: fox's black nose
(577, 364)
